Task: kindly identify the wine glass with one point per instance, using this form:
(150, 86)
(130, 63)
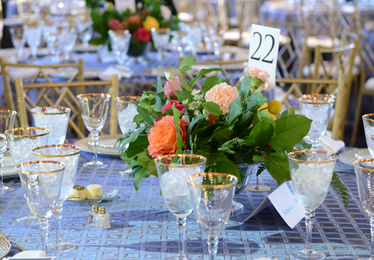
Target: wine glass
(311, 174)
(85, 32)
(212, 195)
(368, 121)
(364, 170)
(55, 119)
(69, 155)
(160, 39)
(33, 38)
(195, 36)
(41, 181)
(21, 141)
(7, 118)
(126, 112)
(18, 39)
(67, 40)
(120, 42)
(50, 35)
(94, 109)
(318, 108)
(172, 172)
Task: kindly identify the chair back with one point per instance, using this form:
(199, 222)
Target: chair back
(66, 96)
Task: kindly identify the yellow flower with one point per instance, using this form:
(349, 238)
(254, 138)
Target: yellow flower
(150, 22)
(110, 5)
(274, 107)
(266, 109)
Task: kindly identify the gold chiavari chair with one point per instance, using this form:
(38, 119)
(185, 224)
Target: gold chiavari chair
(328, 86)
(66, 98)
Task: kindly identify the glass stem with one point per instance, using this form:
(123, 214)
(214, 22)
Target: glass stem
(212, 247)
(372, 236)
(256, 182)
(95, 143)
(159, 55)
(309, 221)
(58, 216)
(43, 225)
(316, 142)
(1, 171)
(181, 222)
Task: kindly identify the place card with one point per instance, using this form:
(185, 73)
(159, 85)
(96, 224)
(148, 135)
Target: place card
(286, 204)
(263, 50)
(123, 5)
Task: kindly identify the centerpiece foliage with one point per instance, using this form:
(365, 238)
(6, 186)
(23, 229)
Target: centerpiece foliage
(229, 125)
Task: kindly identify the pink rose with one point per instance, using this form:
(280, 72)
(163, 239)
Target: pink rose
(171, 86)
(222, 94)
(165, 12)
(178, 106)
(254, 72)
(115, 24)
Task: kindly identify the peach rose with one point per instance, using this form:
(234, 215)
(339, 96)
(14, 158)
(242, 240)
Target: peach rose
(254, 72)
(163, 137)
(171, 86)
(222, 94)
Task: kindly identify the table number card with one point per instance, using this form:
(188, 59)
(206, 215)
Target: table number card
(123, 5)
(263, 50)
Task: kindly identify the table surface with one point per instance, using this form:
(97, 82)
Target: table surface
(143, 228)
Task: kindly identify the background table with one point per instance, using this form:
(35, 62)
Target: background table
(143, 228)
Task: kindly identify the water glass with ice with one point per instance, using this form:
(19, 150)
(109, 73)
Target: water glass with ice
(318, 108)
(311, 174)
(33, 38)
(160, 39)
(368, 121)
(173, 171)
(69, 155)
(21, 141)
(55, 119)
(212, 195)
(120, 42)
(126, 112)
(85, 32)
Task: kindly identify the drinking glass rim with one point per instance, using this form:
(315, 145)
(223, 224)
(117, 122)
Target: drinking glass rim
(367, 115)
(158, 160)
(160, 30)
(307, 97)
(119, 99)
(93, 96)
(56, 145)
(43, 172)
(10, 113)
(335, 157)
(65, 110)
(355, 164)
(119, 33)
(7, 132)
(206, 186)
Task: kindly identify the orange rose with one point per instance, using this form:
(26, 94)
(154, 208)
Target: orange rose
(163, 137)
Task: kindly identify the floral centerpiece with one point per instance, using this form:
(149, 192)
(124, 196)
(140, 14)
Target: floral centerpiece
(153, 14)
(228, 125)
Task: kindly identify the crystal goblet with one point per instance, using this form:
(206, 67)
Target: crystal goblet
(21, 141)
(120, 42)
(212, 195)
(85, 32)
(67, 40)
(7, 118)
(94, 109)
(50, 34)
(368, 121)
(172, 172)
(55, 119)
(69, 155)
(41, 181)
(160, 39)
(364, 170)
(18, 39)
(311, 174)
(33, 38)
(318, 108)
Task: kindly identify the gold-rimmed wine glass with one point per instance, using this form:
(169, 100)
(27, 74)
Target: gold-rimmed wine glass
(172, 172)
(41, 181)
(311, 174)
(94, 109)
(21, 141)
(212, 195)
(7, 118)
(69, 155)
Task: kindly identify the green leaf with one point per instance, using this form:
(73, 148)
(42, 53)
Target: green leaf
(341, 189)
(245, 87)
(137, 147)
(278, 167)
(185, 68)
(159, 103)
(230, 145)
(263, 115)
(183, 95)
(133, 136)
(202, 73)
(222, 135)
(209, 83)
(258, 158)
(260, 134)
(228, 167)
(194, 121)
(289, 130)
(169, 75)
(144, 113)
(97, 41)
(185, 86)
(176, 116)
(159, 84)
(235, 109)
(212, 108)
(152, 170)
(139, 176)
(302, 145)
(144, 159)
(188, 61)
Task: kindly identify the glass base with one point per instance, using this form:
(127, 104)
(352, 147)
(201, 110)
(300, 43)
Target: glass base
(125, 172)
(29, 220)
(236, 208)
(258, 188)
(97, 164)
(304, 255)
(6, 189)
(63, 247)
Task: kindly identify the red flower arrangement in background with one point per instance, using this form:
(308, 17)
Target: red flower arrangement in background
(142, 35)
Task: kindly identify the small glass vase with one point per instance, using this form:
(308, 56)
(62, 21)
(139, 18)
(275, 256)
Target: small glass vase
(138, 53)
